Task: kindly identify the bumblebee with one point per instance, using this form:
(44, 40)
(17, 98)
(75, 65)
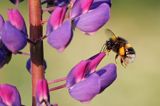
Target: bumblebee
(121, 47)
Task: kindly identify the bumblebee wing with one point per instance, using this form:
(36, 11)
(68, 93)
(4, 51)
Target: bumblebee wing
(110, 34)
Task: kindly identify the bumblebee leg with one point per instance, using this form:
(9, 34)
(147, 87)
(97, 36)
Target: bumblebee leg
(116, 58)
(103, 48)
(122, 63)
(125, 64)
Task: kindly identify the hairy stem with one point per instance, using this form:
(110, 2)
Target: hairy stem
(36, 51)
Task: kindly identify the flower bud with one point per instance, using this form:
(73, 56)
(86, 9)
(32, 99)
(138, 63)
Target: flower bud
(42, 93)
(9, 95)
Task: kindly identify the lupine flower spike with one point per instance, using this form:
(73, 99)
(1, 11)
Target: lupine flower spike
(84, 82)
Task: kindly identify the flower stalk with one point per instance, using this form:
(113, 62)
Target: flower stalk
(57, 80)
(36, 51)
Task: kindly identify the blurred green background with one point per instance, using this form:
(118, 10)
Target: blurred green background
(136, 20)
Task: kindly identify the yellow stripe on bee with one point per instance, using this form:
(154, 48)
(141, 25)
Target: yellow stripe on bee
(113, 38)
(128, 45)
(122, 51)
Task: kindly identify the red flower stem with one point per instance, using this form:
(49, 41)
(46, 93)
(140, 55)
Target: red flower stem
(57, 80)
(36, 51)
(57, 87)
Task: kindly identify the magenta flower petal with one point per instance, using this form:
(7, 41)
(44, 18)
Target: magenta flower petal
(42, 93)
(108, 75)
(61, 37)
(56, 18)
(80, 7)
(12, 38)
(88, 24)
(86, 90)
(9, 95)
(76, 74)
(94, 61)
(17, 20)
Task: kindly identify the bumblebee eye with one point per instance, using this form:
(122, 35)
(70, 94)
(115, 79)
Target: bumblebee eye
(109, 45)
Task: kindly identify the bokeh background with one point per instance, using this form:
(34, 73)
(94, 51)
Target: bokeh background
(138, 85)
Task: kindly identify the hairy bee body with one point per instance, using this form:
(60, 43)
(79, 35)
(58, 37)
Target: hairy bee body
(121, 47)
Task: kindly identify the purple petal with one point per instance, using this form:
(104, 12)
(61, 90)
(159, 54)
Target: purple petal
(76, 74)
(5, 55)
(61, 37)
(10, 95)
(17, 20)
(1, 23)
(97, 3)
(88, 24)
(108, 75)
(49, 28)
(1, 103)
(61, 2)
(42, 92)
(13, 39)
(87, 89)
(80, 7)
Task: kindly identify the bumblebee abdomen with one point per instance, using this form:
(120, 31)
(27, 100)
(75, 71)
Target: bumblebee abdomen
(130, 55)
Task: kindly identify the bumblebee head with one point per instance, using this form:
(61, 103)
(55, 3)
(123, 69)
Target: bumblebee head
(109, 45)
